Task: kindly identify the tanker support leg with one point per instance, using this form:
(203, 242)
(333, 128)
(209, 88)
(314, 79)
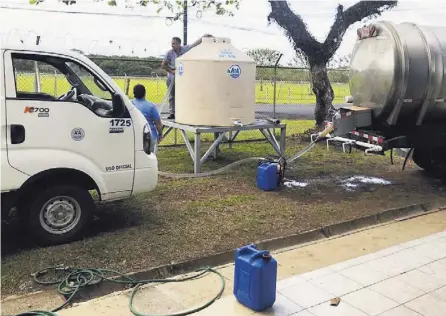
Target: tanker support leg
(230, 132)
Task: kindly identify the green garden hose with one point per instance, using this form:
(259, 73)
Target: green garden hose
(79, 278)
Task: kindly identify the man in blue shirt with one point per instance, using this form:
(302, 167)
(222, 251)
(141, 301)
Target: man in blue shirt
(149, 111)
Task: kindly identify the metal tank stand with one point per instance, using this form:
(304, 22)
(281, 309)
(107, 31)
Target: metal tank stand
(229, 132)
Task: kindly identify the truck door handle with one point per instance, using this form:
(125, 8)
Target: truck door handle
(17, 134)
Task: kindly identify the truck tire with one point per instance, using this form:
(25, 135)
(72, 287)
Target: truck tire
(431, 160)
(59, 214)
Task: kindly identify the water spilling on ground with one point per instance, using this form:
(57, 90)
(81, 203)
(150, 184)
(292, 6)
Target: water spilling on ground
(351, 183)
(294, 184)
(355, 182)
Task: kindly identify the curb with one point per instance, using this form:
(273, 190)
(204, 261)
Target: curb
(337, 229)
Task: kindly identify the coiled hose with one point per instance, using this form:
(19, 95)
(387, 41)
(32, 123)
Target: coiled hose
(79, 278)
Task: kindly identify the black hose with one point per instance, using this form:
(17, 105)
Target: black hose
(391, 156)
(407, 158)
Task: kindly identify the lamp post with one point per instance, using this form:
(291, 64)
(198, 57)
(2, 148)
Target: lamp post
(185, 22)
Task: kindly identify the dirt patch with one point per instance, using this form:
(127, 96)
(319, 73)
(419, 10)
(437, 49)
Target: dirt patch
(190, 218)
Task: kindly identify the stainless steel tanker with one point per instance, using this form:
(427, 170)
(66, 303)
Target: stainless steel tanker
(398, 91)
(399, 72)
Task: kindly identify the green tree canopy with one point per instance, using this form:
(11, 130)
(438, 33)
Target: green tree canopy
(264, 56)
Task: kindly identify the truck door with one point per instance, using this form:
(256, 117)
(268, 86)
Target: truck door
(57, 117)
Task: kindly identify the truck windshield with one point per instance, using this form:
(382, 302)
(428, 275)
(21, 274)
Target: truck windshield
(90, 81)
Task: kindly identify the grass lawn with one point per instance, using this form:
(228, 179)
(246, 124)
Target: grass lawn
(189, 218)
(286, 92)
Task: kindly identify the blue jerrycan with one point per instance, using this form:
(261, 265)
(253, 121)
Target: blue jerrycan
(255, 278)
(267, 176)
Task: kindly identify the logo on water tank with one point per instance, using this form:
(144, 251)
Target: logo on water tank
(180, 69)
(234, 71)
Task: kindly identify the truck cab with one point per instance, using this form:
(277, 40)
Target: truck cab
(67, 130)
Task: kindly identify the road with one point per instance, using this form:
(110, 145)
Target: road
(284, 111)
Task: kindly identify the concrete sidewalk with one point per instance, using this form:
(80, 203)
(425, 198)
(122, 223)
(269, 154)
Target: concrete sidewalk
(396, 269)
(408, 279)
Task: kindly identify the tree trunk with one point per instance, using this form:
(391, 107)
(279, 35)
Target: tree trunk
(322, 89)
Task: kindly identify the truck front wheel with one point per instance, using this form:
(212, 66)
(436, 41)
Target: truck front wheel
(59, 214)
(431, 160)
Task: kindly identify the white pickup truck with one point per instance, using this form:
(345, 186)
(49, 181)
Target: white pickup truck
(67, 130)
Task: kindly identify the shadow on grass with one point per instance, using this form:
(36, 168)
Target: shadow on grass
(108, 218)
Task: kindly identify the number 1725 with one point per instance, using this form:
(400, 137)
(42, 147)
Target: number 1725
(120, 122)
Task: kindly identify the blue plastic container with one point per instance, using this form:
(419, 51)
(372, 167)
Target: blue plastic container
(255, 278)
(267, 176)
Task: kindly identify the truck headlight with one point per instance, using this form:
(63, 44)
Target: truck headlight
(147, 139)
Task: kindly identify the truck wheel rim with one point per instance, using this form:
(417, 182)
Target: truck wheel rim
(60, 215)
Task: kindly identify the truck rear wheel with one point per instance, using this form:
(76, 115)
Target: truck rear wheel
(431, 160)
(59, 214)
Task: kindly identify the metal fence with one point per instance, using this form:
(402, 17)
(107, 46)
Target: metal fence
(281, 92)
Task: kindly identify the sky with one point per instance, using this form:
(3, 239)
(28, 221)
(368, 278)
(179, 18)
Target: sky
(143, 32)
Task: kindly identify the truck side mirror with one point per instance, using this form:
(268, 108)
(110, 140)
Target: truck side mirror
(118, 105)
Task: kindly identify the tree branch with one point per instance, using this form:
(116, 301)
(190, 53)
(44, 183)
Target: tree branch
(344, 19)
(295, 28)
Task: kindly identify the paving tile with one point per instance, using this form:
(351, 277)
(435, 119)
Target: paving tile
(343, 309)
(353, 262)
(303, 313)
(430, 250)
(390, 266)
(400, 311)
(440, 294)
(370, 302)
(398, 291)
(436, 269)
(433, 236)
(306, 294)
(411, 258)
(411, 243)
(316, 273)
(442, 261)
(364, 274)
(112, 305)
(336, 284)
(195, 292)
(282, 307)
(227, 306)
(428, 305)
(285, 283)
(420, 280)
(440, 243)
(389, 251)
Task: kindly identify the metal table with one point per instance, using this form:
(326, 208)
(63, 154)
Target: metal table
(264, 126)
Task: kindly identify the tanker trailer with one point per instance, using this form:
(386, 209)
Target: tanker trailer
(398, 88)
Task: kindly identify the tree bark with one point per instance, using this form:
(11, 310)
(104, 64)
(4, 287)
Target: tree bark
(323, 91)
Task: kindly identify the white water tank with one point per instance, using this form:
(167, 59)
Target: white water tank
(215, 85)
